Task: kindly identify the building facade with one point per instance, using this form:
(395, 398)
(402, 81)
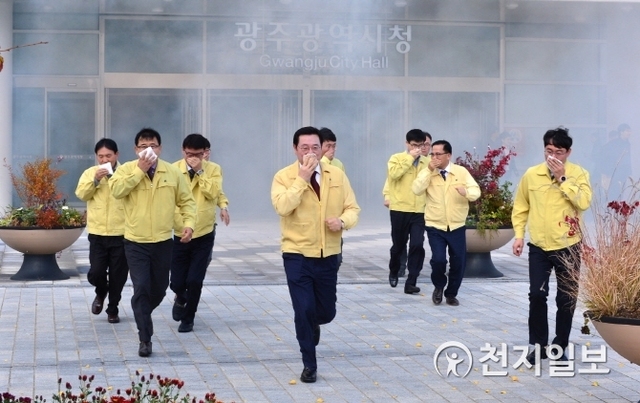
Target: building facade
(248, 73)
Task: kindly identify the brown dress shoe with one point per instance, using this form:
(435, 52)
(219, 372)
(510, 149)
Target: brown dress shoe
(113, 318)
(96, 306)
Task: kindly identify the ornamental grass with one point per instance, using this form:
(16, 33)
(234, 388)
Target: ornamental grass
(608, 282)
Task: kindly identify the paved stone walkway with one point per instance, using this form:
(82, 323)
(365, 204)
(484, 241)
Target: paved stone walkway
(380, 347)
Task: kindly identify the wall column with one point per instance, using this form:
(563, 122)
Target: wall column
(6, 101)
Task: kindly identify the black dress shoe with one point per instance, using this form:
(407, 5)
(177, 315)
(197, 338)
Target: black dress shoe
(308, 375)
(393, 280)
(96, 306)
(531, 357)
(113, 318)
(178, 310)
(145, 349)
(453, 301)
(316, 335)
(185, 327)
(411, 289)
(437, 296)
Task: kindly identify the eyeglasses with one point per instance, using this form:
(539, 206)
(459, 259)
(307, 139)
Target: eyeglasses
(558, 153)
(153, 146)
(421, 145)
(306, 148)
(190, 155)
(437, 154)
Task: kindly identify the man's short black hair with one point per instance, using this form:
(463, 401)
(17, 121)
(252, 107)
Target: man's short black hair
(624, 127)
(109, 144)
(147, 133)
(195, 141)
(446, 146)
(558, 137)
(416, 135)
(327, 134)
(306, 131)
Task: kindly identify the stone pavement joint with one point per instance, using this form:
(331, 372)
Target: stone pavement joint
(380, 347)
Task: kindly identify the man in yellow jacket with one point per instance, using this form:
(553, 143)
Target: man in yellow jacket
(424, 151)
(315, 203)
(105, 228)
(550, 199)
(448, 188)
(151, 189)
(190, 260)
(406, 209)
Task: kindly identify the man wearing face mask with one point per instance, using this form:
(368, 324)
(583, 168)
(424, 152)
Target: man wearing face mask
(550, 200)
(315, 203)
(448, 188)
(105, 228)
(151, 189)
(190, 260)
(406, 209)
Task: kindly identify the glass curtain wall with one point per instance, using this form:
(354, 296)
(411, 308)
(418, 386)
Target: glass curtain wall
(251, 134)
(368, 127)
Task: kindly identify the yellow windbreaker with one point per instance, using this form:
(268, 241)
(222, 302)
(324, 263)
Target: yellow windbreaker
(549, 207)
(445, 207)
(335, 162)
(105, 213)
(149, 207)
(400, 175)
(207, 192)
(302, 216)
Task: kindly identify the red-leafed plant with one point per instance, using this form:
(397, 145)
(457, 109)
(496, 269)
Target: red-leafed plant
(165, 390)
(493, 208)
(44, 206)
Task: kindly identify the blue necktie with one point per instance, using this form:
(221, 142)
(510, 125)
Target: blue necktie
(151, 172)
(444, 174)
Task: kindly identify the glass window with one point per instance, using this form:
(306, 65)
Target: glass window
(455, 10)
(554, 104)
(173, 113)
(465, 119)
(65, 54)
(564, 31)
(455, 51)
(71, 136)
(68, 133)
(154, 7)
(251, 134)
(553, 61)
(56, 21)
(366, 126)
(153, 46)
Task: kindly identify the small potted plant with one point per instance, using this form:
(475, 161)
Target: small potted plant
(489, 220)
(608, 283)
(43, 225)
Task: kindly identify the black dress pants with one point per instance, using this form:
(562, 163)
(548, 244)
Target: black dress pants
(407, 226)
(149, 265)
(188, 269)
(540, 265)
(109, 269)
